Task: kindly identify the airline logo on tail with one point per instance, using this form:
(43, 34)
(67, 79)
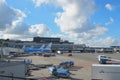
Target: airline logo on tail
(47, 48)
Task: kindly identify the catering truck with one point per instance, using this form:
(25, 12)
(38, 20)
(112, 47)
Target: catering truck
(105, 72)
(103, 59)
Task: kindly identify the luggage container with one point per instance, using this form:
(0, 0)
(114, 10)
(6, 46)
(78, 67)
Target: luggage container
(105, 72)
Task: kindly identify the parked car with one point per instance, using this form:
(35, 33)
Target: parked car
(46, 55)
(69, 54)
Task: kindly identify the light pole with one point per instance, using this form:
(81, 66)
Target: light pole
(11, 76)
(2, 50)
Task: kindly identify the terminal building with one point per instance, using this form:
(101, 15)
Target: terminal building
(46, 40)
(60, 45)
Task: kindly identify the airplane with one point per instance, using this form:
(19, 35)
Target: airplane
(42, 49)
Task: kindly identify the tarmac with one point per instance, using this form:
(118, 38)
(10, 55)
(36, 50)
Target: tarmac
(80, 71)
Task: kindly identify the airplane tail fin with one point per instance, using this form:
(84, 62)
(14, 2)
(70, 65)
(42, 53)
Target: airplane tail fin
(43, 46)
(48, 47)
(23, 47)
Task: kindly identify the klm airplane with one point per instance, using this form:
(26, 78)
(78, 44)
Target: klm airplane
(42, 49)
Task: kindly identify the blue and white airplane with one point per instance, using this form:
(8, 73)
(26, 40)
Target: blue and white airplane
(42, 49)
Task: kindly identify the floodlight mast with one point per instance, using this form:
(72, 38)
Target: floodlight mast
(2, 43)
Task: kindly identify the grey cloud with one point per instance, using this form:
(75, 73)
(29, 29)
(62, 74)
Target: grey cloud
(13, 27)
(8, 15)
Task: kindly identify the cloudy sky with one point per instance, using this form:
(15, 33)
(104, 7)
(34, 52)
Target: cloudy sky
(90, 22)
